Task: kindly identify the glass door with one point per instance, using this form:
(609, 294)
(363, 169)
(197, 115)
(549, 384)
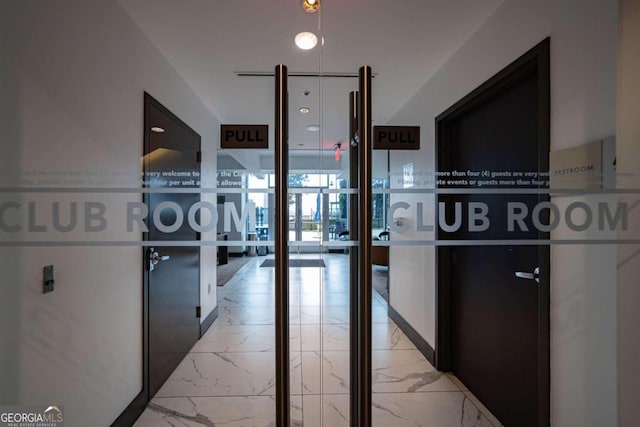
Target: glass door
(319, 268)
(187, 225)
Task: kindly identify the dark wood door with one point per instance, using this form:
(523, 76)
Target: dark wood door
(171, 161)
(493, 326)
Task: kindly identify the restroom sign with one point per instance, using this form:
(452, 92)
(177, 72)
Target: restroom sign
(396, 137)
(244, 136)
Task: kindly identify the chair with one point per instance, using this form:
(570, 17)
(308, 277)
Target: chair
(380, 254)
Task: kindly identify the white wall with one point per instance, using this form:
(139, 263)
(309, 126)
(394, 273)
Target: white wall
(583, 81)
(628, 128)
(72, 80)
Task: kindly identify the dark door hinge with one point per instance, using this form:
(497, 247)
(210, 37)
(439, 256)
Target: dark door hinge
(199, 156)
(198, 312)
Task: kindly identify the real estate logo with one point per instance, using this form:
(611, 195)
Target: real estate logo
(31, 416)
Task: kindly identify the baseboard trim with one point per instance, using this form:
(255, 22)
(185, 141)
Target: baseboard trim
(237, 254)
(204, 326)
(139, 403)
(413, 335)
(129, 416)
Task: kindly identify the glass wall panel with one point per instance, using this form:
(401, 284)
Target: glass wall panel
(138, 249)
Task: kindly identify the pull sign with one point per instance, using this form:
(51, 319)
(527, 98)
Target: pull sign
(396, 137)
(244, 136)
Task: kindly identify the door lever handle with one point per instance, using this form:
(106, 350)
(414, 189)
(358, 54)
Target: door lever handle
(530, 276)
(155, 258)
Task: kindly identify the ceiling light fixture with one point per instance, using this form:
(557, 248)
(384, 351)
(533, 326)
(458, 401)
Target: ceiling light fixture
(306, 40)
(313, 128)
(311, 6)
(157, 129)
(304, 110)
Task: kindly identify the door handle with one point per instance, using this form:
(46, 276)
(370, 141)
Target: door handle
(155, 258)
(530, 276)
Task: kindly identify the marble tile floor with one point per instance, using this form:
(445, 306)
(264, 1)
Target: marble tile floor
(228, 377)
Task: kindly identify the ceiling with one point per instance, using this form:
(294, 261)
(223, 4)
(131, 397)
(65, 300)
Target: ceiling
(210, 41)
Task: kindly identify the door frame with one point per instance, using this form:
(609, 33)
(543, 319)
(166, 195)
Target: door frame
(150, 101)
(537, 60)
(139, 403)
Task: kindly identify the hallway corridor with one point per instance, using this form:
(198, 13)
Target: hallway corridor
(228, 377)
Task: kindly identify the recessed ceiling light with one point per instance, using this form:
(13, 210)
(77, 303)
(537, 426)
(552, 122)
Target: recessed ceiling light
(157, 129)
(304, 110)
(306, 40)
(313, 128)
